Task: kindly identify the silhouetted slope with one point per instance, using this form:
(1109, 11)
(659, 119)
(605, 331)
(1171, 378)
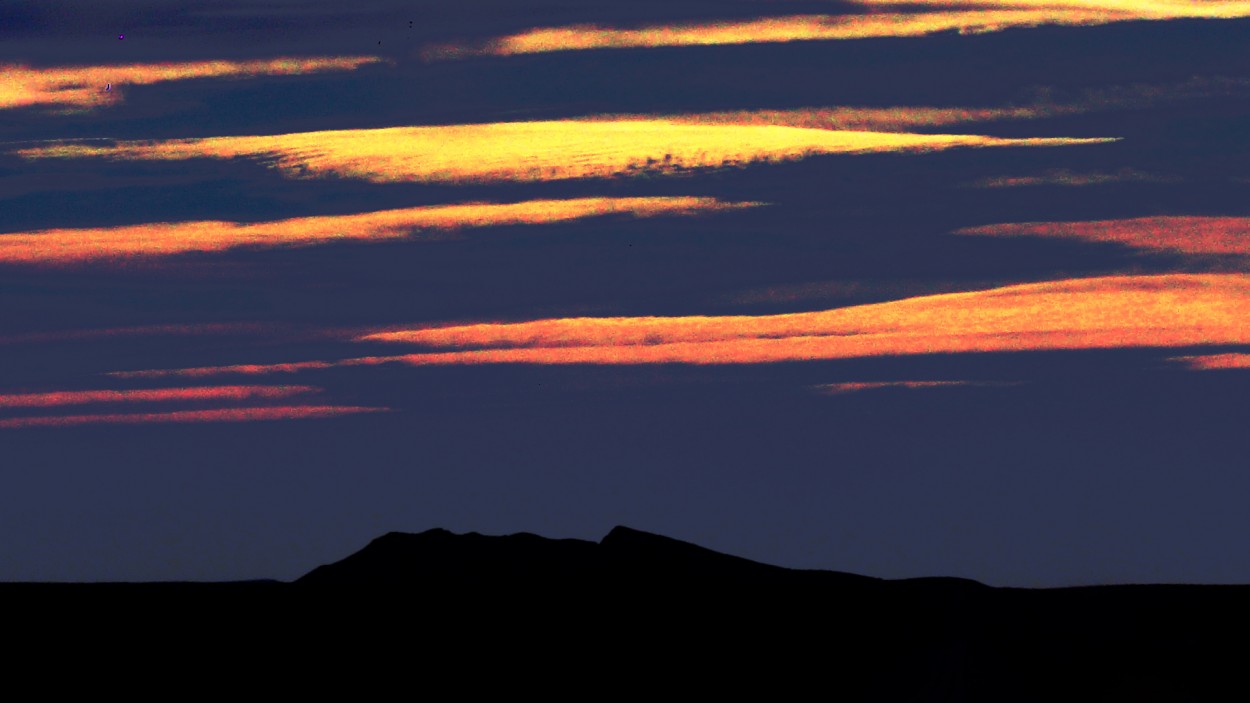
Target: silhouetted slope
(649, 556)
(440, 558)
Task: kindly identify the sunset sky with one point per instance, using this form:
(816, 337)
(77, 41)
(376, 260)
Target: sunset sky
(901, 289)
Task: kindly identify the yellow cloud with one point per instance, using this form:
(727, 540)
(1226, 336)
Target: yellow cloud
(533, 151)
(87, 87)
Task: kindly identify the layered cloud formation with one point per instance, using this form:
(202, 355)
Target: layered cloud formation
(1093, 313)
(1172, 310)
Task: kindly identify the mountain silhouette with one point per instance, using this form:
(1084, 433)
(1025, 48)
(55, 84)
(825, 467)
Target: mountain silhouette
(638, 610)
(625, 557)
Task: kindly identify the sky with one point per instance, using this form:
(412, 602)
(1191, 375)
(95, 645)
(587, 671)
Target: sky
(900, 289)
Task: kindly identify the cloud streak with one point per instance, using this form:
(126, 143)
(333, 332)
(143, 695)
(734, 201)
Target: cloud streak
(60, 398)
(857, 387)
(236, 369)
(977, 16)
(1140, 9)
(201, 394)
(902, 118)
(81, 88)
(298, 412)
(850, 118)
(1182, 234)
(65, 246)
(1064, 177)
(532, 151)
(1214, 362)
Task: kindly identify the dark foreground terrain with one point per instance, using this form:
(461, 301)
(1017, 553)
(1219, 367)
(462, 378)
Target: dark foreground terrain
(638, 611)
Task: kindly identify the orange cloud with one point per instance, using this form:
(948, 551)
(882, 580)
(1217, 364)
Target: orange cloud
(56, 398)
(532, 151)
(299, 412)
(969, 18)
(1187, 235)
(1116, 311)
(167, 238)
(1093, 313)
(87, 87)
(1214, 362)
